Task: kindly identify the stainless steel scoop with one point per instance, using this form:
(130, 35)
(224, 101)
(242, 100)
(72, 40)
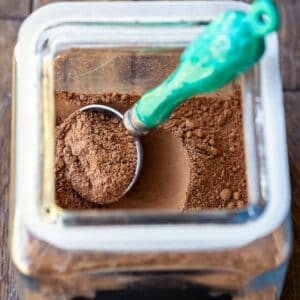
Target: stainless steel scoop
(138, 145)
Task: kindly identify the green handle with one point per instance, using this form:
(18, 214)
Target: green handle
(229, 46)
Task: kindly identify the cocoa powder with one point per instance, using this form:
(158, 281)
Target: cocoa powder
(203, 167)
(95, 155)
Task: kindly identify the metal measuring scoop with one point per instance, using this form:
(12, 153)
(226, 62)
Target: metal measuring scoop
(227, 47)
(138, 145)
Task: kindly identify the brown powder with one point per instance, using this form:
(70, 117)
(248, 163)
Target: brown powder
(193, 161)
(211, 131)
(96, 156)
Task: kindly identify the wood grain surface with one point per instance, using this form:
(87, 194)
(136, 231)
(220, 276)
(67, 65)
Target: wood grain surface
(8, 33)
(292, 107)
(13, 11)
(290, 43)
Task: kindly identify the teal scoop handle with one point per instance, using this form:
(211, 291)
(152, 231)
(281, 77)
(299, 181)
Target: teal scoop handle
(229, 45)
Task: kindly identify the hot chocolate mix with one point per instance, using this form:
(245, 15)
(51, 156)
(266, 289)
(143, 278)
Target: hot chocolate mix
(95, 155)
(195, 160)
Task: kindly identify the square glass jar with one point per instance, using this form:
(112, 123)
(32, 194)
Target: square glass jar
(62, 254)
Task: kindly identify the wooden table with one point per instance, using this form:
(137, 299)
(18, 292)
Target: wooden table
(12, 13)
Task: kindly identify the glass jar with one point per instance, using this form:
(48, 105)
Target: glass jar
(129, 47)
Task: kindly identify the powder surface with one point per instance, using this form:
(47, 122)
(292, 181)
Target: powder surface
(210, 129)
(95, 156)
(193, 161)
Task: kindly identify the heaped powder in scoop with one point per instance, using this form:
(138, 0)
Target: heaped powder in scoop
(95, 156)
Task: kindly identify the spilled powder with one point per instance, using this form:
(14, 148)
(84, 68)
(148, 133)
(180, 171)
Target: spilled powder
(95, 156)
(193, 161)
